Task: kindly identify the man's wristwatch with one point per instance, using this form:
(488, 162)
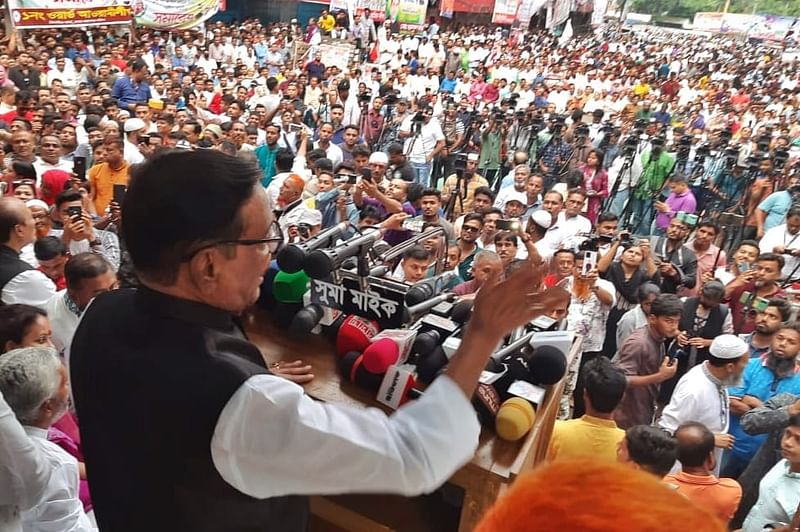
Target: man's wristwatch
(96, 242)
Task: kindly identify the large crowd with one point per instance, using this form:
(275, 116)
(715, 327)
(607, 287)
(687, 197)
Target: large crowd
(653, 173)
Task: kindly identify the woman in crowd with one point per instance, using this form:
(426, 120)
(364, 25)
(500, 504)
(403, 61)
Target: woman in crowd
(634, 268)
(595, 182)
(28, 326)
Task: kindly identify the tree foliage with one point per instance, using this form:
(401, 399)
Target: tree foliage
(687, 8)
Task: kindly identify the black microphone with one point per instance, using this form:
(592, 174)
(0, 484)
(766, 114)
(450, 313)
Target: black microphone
(427, 288)
(321, 262)
(489, 397)
(547, 365)
(305, 320)
(292, 257)
(431, 365)
(462, 311)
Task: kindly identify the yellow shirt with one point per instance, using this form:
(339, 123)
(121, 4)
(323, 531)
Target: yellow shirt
(327, 23)
(587, 436)
(103, 178)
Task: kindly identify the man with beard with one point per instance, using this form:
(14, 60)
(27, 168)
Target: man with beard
(702, 394)
(704, 318)
(764, 378)
(767, 323)
(678, 263)
(746, 291)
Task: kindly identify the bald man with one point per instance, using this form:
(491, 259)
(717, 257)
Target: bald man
(696, 479)
(19, 281)
(486, 265)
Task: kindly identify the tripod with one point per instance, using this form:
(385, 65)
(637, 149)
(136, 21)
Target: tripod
(459, 194)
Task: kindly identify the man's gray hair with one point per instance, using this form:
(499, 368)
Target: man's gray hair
(486, 255)
(28, 377)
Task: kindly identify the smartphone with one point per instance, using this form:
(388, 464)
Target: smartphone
(662, 197)
(74, 213)
(507, 225)
(589, 262)
(760, 304)
(366, 174)
(79, 167)
(413, 225)
(119, 194)
(744, 267)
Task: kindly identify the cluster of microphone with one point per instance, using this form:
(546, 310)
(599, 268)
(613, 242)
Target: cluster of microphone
(396, 363)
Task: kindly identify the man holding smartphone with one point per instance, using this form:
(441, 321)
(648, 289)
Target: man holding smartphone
(103, 176)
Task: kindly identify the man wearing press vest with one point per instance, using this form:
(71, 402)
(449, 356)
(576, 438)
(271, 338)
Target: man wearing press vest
(185, 429)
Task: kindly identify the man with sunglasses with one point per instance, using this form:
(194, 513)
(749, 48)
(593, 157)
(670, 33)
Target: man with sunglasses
(235, 447)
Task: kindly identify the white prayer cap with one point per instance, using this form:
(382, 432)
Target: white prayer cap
(728, 346)
(542, 218)
(37, 203)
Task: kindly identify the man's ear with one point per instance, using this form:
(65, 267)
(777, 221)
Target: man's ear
(204, 269)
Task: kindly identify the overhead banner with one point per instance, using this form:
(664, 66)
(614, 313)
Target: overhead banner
(446, 8)
(173, 14)
(43, 14)
(557, 13)
(526, 9)
(767, 27)
(505, 11)
(770, 27)
(377, 8)
(409, 14)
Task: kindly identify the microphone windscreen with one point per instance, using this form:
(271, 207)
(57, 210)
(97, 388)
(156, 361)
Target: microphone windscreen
(291, 258)
(547, 365)
(429, 366)
(290, 287)
(305, 320)
(425, 342)
(351, 365)
(462, 311)
(355, 334)
(282, 313)
(514, 419)
(379, 355)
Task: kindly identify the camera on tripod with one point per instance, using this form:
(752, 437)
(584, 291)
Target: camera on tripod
(390, 98)
(684, 146)
(582, 131)
(558, 125)
(764, 140)
(365, 97)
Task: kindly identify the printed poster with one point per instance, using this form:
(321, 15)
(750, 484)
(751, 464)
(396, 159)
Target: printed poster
(505, 11)
(377, 7)
(173, 14)
(64, 13)
(409, 14)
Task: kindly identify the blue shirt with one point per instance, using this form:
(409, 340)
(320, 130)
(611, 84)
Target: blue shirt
(447, 85)
(759, 382)
(776, 206)
(126, 92)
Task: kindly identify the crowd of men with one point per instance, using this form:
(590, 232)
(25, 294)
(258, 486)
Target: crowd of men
(655, 175)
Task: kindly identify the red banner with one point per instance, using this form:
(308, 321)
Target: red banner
(35, 17)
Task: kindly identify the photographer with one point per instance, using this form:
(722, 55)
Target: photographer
(493, 136)
(772, 211)
(677, 263)
(453, 129)
(424, 141)
(555, 153)
(334, 202)
(634, 268)
(784, 240)
(470, 182)
(373, 122)
(762, 187)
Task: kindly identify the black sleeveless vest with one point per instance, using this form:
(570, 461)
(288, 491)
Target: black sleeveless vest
(150, 376)
(10, 266)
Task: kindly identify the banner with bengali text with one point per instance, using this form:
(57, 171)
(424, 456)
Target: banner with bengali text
(62, 13)
(173, 14)
(505, 11)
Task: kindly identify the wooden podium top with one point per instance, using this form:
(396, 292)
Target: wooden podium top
(496, 462)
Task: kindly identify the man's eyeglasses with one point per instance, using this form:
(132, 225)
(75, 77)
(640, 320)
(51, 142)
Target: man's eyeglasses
(470, 228)
(270, 244)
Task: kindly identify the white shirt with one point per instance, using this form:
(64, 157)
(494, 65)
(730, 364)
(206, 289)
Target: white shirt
(24, 470)
(43, 166)
(778, 497)
(332, 152)
(780, 236)
(31, 287)
(697, 398)
(62, 320)
(629, 322)
(131, 153)
(418, 148)
(343, 449)
(60, 508)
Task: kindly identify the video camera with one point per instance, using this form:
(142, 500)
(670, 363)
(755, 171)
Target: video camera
(365, 97)
(594, 241)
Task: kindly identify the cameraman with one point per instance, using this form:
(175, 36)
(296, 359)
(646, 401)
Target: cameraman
(784, 240)
(677, 262)
(453, 129)
(772, 211)
(373, 124)
(493, 136)
(471, 181)
(424, 142)
(555, 153)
